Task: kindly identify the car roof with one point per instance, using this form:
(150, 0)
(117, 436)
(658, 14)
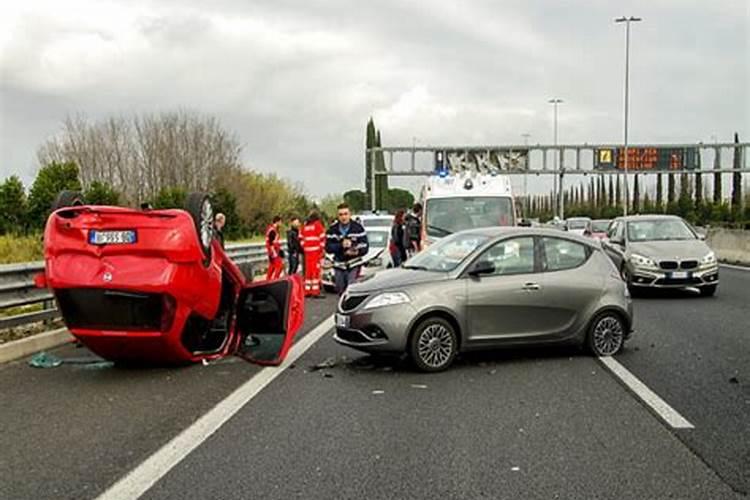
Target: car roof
(498, 231)
(649, 217)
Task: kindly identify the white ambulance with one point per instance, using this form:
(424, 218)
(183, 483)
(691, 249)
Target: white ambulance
(456, 201)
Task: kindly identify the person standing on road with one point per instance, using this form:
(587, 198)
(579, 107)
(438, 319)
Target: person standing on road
(397, 245)
(413, 230)
(293, 246)
(273, 249)
(313, 236)
(219, 222)
(347, 241)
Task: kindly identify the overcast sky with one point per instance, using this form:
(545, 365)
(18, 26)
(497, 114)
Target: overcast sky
(297, 80)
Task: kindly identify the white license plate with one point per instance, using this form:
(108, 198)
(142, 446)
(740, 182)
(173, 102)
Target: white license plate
(112, 237)
(680, 274)
(342, 321)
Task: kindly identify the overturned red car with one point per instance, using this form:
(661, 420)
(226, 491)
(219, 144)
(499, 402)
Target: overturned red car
(156, 286)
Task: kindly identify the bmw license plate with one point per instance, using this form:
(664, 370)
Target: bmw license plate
(112, 237)
(342, 321)
(680, 275)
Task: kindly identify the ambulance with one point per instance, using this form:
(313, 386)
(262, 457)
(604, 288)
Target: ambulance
(455, 201)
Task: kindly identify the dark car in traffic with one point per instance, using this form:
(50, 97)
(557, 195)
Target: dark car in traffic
(485, 288)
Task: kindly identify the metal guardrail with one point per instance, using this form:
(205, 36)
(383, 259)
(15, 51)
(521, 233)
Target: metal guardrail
(17, 285)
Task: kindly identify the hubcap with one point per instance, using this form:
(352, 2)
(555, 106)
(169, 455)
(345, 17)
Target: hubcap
(207, 223)
(435, 346)
(608, 336)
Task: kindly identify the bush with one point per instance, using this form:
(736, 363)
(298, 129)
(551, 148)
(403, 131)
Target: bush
(50, 180)
(15, 248)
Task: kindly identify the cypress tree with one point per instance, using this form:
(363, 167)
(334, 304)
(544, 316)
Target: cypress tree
(618, 193)
(636, 196)
(659, 194)
(611, 196)
(737, 177)
(670, 189)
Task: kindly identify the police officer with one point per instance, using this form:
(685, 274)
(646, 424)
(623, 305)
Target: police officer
(347, 241)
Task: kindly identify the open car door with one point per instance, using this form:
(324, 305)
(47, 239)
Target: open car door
(269, 314)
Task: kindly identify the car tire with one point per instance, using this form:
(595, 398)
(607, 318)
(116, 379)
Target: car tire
(67, 198)
(606, 334)
(434, 345)
(708, 290)
(199, 206)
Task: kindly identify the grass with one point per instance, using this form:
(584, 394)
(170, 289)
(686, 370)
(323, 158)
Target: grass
(14, 248)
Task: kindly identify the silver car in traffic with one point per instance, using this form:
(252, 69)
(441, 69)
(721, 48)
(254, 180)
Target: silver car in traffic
(485, 288)
(661, 251)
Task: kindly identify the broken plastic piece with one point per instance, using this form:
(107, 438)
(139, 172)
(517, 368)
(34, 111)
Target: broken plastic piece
(44, 360)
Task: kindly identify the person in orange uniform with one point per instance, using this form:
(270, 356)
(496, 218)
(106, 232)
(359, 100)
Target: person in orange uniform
(313, 237)
(273, 249)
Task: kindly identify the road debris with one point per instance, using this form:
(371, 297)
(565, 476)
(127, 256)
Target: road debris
(418, 386)
(378, 391)
(44, 360)
(734, 380)
(328, 375)
(515, 469)
(328, 363)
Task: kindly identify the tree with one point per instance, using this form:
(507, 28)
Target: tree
(101, 193)
(611, 195)
(399, 198)
(659, 194)
(370, 140)
(636, 196)
(717, 177)
(381, 181)
(356, 199)
(50, 180)
(12, 206)
(698, 187)
(618, 193)
(143, 154)
(671, 188)
(170, 197)
(737, 178)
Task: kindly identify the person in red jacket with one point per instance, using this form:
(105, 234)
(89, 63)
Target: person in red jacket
(313, 238)
(273, 249)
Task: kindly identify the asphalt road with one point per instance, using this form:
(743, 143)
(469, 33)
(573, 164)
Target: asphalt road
(543, 423)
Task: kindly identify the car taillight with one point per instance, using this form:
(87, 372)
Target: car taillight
(168, 309)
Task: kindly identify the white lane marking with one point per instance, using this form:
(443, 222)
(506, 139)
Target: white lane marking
(145, 475)
(732, 266)
(666, 412)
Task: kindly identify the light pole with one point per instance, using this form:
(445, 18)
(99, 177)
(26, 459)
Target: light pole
(526, 177)
(627, 21)
(557, 190)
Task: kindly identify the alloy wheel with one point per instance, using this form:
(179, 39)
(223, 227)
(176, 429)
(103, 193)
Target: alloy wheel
(608, 336)
(435, 346)
(207, 221)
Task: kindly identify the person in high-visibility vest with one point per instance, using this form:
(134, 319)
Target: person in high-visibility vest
(273, 249)
(313, 238)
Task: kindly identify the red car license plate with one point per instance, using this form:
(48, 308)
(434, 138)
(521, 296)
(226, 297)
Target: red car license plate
(112, 237)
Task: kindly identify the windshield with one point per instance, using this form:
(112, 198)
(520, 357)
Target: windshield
(446, 254)
(577, 224)
(376, 221)
(600, 226)
(659, 230)
(377, 239)
(444, 216)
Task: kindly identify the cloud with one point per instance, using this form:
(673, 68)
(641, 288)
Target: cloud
(297, 80)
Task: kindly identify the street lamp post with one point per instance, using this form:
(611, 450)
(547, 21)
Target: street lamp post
(627, 21)
(557, 189)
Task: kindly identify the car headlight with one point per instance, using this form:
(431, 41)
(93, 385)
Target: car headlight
(641, 261)
(710, 258)
(387, 299)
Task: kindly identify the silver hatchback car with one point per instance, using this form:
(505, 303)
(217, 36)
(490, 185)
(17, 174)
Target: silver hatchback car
(485, 288)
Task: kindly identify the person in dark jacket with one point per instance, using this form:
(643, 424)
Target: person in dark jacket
(219, 222)
(347, 241)
(397, 245)
(413, 230)
(293, 246)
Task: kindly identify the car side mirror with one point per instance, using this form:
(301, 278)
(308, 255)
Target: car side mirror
(482, 267)
(702, 236)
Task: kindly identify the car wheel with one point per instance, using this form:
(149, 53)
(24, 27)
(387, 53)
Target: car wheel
(434, 345)
(67, 198)
(199, 206)
(708, 290)
(606, 334)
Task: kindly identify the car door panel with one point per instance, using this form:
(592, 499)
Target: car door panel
(269, 314)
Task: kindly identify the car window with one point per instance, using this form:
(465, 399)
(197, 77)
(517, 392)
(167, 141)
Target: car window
(613, 229)
(560, 254)
(513, 256)
(448, 253)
